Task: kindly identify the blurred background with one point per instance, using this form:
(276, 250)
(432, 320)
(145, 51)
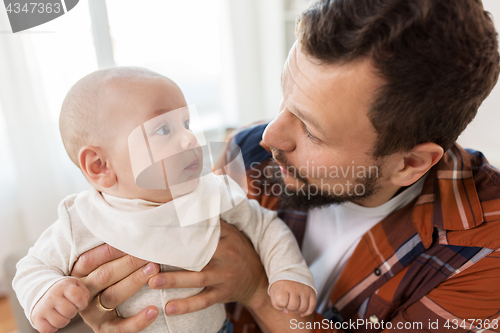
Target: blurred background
(226, 55)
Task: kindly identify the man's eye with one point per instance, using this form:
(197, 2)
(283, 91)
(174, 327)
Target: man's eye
(186, 124)
(164, 130)
(312, 137)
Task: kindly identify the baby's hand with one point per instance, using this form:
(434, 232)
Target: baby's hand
(59, 304)
(293, 296)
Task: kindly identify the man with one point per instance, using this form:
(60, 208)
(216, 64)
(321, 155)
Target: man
(407, 231)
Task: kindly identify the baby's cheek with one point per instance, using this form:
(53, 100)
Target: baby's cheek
(173, 171)
(123, 171)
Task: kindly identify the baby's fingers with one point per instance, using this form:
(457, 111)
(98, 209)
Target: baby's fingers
(77, 294)
(303, 305)
(43, 326)
(66, 308)
(280, 299)
(311, 306)
(56, 319)
(293, 302)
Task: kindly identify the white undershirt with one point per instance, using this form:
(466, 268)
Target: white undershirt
(333, 232)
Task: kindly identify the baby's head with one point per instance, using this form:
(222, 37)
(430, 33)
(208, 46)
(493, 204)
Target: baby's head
(100, 112)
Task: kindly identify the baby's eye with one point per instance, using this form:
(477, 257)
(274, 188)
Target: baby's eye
(164, 130)
(186, 124)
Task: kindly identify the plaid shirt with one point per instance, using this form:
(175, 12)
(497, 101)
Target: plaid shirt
(433, 265)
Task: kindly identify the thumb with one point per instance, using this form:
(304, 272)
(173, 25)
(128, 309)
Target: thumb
(134, 324)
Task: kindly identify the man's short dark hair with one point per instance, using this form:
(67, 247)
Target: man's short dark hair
(439, 59)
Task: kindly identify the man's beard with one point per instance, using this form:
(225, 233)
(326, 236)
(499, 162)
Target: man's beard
(310, 195)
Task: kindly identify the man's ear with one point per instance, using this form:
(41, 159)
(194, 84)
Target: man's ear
(415, 163)
(94, 165)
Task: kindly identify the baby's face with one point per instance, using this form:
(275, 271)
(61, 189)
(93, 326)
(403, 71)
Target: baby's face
(158, 109)
(170, 152)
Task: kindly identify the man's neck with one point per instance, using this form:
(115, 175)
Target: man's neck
(383, 195)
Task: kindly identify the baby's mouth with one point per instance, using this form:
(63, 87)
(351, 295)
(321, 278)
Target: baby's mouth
(194, 165)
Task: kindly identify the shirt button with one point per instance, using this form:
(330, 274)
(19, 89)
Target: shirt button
(377, 271)
(373, 319)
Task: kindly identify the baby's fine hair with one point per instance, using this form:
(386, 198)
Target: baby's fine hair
(81, 112)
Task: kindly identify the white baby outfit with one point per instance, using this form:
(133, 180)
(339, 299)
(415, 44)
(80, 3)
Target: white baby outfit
(153, 232)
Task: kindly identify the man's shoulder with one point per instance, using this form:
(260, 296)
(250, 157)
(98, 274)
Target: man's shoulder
(248, 139)
(481, 168)
(485, 232)
(487, 184)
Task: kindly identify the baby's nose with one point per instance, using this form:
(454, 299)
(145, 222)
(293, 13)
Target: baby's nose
(188, 140)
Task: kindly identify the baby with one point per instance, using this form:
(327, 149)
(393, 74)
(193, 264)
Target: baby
(128, 130)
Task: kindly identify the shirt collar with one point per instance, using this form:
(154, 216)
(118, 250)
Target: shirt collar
(449, 198)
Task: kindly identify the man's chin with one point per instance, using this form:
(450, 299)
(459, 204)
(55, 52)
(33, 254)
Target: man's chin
(304, 200)
(291, 182)
(297, 195)
(300, 194)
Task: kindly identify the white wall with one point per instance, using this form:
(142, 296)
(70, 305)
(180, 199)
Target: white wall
(483, 133)
(257, 36)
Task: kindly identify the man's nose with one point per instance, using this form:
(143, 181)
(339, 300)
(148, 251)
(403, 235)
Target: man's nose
(279, 133)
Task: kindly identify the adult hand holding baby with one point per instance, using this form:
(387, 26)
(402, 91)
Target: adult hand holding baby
(115, 276)
(235, 273)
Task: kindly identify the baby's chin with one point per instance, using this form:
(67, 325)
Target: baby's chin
(165, 195)
(184, 188)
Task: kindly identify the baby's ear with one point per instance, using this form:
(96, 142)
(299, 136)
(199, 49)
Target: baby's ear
(95, 166)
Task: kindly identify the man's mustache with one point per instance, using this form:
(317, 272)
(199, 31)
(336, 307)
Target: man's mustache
(279, 157)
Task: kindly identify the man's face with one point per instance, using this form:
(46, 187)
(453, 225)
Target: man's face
(322, 138)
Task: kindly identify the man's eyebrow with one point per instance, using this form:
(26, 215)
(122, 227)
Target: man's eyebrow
(308, 119)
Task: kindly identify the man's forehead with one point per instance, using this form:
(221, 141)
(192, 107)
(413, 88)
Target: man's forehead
(344, 90)
(319, 79)
(302, 73)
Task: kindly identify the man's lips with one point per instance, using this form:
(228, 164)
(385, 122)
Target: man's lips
(283, 169)
(193, 166)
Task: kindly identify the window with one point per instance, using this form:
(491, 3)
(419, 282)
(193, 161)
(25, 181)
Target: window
(179, 39)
